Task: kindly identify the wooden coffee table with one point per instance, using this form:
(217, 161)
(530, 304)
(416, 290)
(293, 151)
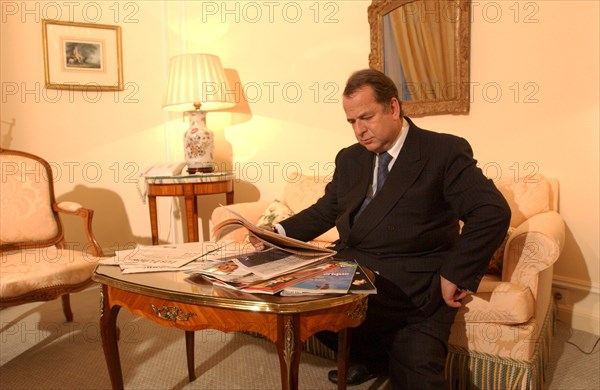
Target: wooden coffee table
(169, 300)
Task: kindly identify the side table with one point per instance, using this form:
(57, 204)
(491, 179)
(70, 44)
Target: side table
(188, 186)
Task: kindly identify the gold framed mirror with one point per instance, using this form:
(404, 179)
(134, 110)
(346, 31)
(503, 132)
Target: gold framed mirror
(424, 46)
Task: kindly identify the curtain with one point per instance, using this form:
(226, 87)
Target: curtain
(425, 40)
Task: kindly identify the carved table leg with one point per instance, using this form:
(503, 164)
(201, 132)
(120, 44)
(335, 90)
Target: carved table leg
(189, 349)
(289, 348)
(108, 330)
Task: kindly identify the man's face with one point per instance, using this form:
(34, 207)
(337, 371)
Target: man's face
(375, 127)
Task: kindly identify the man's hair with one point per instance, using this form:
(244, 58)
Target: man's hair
(384, 88)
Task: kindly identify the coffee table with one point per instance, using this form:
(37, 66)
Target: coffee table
(168, 299)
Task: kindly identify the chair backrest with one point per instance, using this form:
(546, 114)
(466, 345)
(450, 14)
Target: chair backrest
(27, 215)
(528, 196)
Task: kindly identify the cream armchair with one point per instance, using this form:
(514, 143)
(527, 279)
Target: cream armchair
(501, 336)
(36, 263)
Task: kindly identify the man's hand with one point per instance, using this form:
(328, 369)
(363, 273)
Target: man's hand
(451, 293)
(258, 244)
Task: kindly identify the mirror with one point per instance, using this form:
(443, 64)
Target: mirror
(424, 46)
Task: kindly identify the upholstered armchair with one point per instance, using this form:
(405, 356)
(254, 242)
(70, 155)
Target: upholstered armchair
(501, 336)
(36, 263)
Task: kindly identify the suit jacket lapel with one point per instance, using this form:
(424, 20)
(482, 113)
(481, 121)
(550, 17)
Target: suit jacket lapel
(404, 173)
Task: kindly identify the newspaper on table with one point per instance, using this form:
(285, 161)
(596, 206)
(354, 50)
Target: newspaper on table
(275, 262)
(252, 267)
(170, 257)
(275, 285)
(225, 270)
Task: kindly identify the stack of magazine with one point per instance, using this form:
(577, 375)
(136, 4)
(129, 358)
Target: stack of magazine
(289, 266)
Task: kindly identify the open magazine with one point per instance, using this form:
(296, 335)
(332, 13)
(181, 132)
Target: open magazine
(275, 240)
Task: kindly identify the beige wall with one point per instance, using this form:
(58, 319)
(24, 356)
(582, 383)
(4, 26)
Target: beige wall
(535, 106)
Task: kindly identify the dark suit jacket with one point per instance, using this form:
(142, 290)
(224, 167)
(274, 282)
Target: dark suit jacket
(409, 232)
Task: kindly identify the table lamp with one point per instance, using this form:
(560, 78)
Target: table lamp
(197, 84)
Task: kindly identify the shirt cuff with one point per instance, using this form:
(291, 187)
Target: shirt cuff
(279, 229)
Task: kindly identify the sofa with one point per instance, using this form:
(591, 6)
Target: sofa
(501, 336)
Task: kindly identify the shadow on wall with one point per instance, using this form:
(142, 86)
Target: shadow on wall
(110, 223)
(574, 257)
(6, 135)
(243, 192)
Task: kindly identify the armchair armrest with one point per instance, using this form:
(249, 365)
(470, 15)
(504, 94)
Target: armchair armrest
(533, 247)
(507, 303)
(72, 208)
(249, 210)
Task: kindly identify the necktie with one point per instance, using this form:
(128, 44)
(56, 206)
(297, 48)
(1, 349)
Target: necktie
(382, 172)
(382, 169)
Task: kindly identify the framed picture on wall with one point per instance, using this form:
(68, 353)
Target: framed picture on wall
(82, 56)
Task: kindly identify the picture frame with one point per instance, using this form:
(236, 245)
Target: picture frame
(82, 56)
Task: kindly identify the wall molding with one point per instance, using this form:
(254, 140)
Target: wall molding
(576, 284)
(584, 314)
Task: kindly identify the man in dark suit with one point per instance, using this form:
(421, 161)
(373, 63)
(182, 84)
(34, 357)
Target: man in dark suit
(406, 231)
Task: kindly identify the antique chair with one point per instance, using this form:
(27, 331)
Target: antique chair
(36, 263)
(501, 336)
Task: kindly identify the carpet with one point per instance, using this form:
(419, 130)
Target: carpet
(38, 350)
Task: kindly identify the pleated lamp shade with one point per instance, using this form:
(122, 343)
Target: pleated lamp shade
(196, 79)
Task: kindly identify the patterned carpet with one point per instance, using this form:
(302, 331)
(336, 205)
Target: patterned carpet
(39, 351)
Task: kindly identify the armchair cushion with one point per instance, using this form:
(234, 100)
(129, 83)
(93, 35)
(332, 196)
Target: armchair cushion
(274, 213)
(507, 303)
(534, 247)
(24, 205)
(44, 268)
(526, 198)
(302, 192)
(69, 206)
